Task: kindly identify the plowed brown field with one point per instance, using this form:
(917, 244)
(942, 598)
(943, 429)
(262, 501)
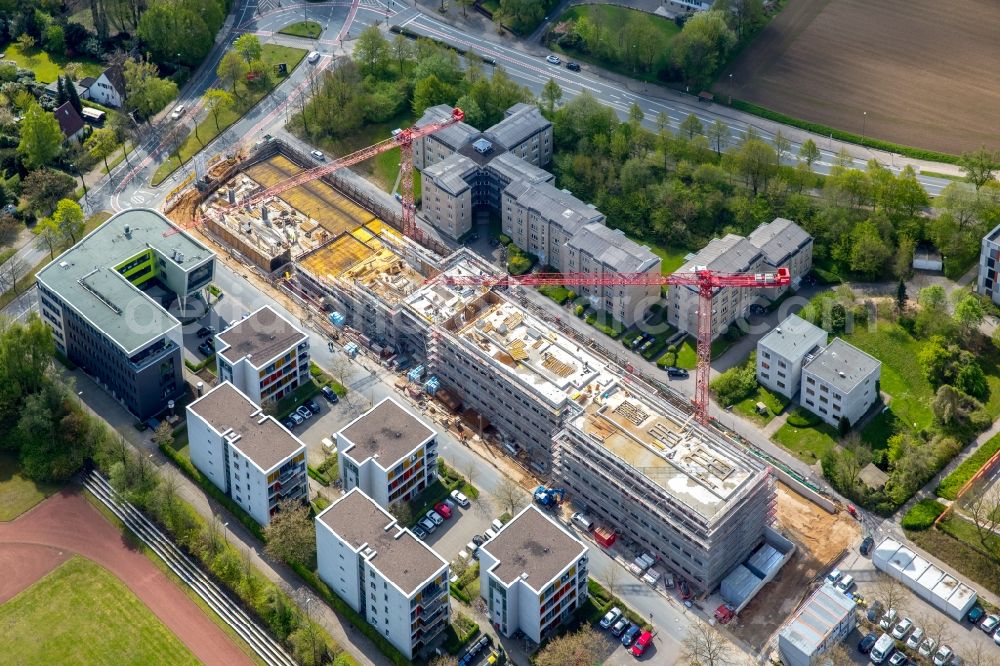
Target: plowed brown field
(924, 71)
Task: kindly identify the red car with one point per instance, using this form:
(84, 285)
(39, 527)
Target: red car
(640, 645)
(443, 509)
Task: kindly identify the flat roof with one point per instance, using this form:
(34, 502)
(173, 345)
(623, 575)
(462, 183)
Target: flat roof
(842, 365)
(85, 275)
(260, 337)
(261, 438)
(518, 344)
(793, 338)
(399, 556)
(387, 431)
(438, 301)
(668, 447)
(817, 618)
(534, 548)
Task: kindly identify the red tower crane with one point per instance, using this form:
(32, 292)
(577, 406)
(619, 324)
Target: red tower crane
(402, 139)
(704, 280)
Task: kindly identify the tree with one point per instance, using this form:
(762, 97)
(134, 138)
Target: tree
(41, 138)
(249, 48)
(869, 251)
(902, 265)
(42, 188)
(68, 217)
(551, 94)
(232, 69)
(60, 92)
(163, 436)
(979, 165)
(756, 162)
(291, 535)
(146, 93)
(101, 144)
(73, 97)
(584, 647)
(889, 591)
(718, 134)
(49, 238)
(465, 4)
(509, 495)
(218, 100)
(936, 626)
(984, 510)
(703, 645)
(444, 659)
(25, 42)
(701, 46)
(371, 50)
(781, 144)
(430, 91)
(809, 152)
(843, 426)
(402, 50)
(900, 297)
(11, 271)
(612, 578)
(969, 313)
(690, 127)
(402, 512)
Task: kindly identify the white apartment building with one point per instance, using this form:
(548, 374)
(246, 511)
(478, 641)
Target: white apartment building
(387, 452)
(784, 245)
(781, 352)
(533, 575)
(248, 455)
(264, 355)
(391, 578)
(840, 380)
(730, 254)
(822, 622)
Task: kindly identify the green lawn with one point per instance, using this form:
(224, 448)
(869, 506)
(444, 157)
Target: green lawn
(687, 354)
(616, 22)
(774, 402)
(17, 493)
(207, 129)
(80, 613)
(673, 257)
(307, 29)
(46, 66)
(807, 444)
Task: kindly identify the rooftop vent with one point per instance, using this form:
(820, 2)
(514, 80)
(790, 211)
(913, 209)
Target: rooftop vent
(128, 231)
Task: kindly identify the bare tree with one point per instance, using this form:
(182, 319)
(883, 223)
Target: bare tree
(444, 660)
(613, 578)
(985, 513)
(470, 471)
(978, 655)
(581, 648)
(703, 645)
(509, 495)
(936, 626)
(291, 535)
(837, 655)
(889, 591)
(11, 271)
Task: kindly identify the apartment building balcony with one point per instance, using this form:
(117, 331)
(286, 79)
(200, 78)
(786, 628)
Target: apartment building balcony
(423, 616)
(152, 355)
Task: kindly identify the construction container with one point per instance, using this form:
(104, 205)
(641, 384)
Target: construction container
(416, 374)
(936, 587)
(605, 536)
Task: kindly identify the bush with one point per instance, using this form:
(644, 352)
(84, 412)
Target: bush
(922, 515)
(578, 310)
(504, 239)
(951, 484)
(737, 383)
(557, 293)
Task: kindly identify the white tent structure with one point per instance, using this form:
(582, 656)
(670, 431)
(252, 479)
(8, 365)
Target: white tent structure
(938, 588)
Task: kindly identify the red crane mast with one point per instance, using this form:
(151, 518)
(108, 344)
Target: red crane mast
(403, 140)
(705, 281)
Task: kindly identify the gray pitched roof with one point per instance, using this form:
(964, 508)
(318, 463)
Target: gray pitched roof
(522, 121)
(730, 254)
(779, 239)
(793, 338)
(613, 249)
(551, 203)
(842, 365)
(452, 173)
(511, 167)
(454, 136)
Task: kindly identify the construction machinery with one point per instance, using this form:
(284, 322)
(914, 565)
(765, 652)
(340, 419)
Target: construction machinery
(402, 139)
(706, 282)
(549, 497)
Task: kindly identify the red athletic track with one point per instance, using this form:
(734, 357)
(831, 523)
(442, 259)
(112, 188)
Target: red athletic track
(67, 522)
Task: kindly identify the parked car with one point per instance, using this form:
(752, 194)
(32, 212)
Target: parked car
(496, 525)
(619, 627)
(329, 394)
(206, 349)
(572, 66)
(944, 656)
(313, 57)
(433, 516)
(312, 406)
(927, 647)
(478, 539)
(642, 643)
(685, 590)
(489, 534)
(460, 497)
(288, 423)
(304, 412)
(846, 583)
(874, 611)
(915, 639)
(318, 154)
(888, 619)
(990, 623)
(205, 331)
(178, 112)
(419, 532)
(902, 629)
(834, 576)
(552, 60)
(610, 617)
(298, 420)
(442, 510)
(428, 525)
(866, 643)
(898, 658)
(629, 636)
(866, 545)
(679, 373)
(976, 613)
(996, 637)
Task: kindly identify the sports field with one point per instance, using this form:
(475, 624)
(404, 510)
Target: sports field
(922, 70)
(87, 616)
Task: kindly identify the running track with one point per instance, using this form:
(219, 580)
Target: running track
(66, 521)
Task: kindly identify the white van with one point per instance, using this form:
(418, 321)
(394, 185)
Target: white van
(496, 525)
(328, 446)
(582, 521)
(883, 647)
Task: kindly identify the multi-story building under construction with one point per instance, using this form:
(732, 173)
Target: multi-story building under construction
(680, 491)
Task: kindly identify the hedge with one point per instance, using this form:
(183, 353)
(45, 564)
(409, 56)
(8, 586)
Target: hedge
(951, 484)
(344, 610)
(318, 475)
(922, 515)
(453, 643)
(840, 135)
(198, 367)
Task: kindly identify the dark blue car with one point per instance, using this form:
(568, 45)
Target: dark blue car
(865, 644)
(629, 636)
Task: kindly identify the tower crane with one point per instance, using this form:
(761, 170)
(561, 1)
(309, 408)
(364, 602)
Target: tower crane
(706, 281)
(402, 139)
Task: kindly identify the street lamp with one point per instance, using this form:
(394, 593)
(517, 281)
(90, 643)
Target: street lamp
(864, 126)
(730, 89)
